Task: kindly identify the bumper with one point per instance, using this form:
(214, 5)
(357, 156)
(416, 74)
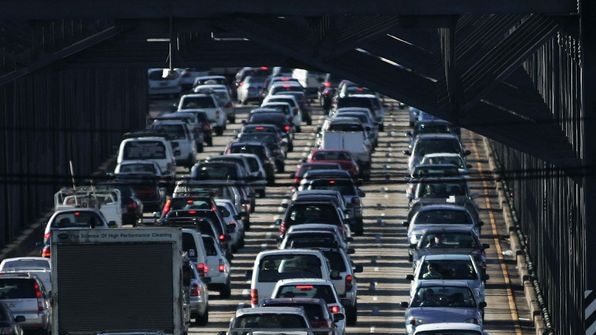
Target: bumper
(34, 321)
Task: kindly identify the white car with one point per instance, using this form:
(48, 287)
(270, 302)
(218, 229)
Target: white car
(222, 94)
(181, 139)
(273, 265)
(156, 149)
(209, 104)
(163, 81)
(449, 328)
(218, 267)
(312, 288)
(233, 221)
(447, 158)
(436, 216)
(40, 267)
(138, 166)
(250, 89)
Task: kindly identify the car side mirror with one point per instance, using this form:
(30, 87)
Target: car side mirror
(404, 304)
(404, 223)
(19, 319)
(361, 193)
(351, 251)
(278, 222)
(410, 277)
(407, 152)
(112, 224)
(358, 268)
(485, 246)
(248, 275)
(338, 317)
(467, 153)
(335, 275)
(238, 217)
(482, 304)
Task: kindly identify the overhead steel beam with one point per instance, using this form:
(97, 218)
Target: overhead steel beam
(41, 9)
(61, 54)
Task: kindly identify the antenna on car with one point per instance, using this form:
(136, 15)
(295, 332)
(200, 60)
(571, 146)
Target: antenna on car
(74, 187)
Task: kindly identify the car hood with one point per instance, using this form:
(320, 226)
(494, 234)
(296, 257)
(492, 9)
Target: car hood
(442, 314)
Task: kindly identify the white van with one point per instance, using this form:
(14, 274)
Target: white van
(310, 80)
(156, 149)
(355, 142)
(273, 265)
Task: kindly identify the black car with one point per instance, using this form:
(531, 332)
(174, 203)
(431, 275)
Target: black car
(132, 205)
(146, 187)
(268, 128)
(271, 141)
(277, 119)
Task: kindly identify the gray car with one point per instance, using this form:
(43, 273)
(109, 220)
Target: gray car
(430, 143)
(441, 301)
(435, 216)
(25, 295)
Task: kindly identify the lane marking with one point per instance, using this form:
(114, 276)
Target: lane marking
(375, 298)
(372, 329)
(493, 225)
(264, 246)
(376, 269)
(245, 293)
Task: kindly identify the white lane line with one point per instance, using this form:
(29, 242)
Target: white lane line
(372, 329)
(245, 293)
(376, 269)
(269, 234)
(386, 195)
(263, 245)
(375, 298)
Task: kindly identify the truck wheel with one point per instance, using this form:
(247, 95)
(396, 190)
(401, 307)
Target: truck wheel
(201, 320)
(352, 315)
(225, 292)
(210, 141)
(200, 147)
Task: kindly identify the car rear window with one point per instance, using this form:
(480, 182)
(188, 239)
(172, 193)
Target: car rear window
(324, 292)
(188, 242)
(448, 269)
(336, 261)
(144, 150)
(306, 241)
(276, 267)
(209, 246)
(173, 131)
(288, 100)
(314, 312)
(266, 320)
(217, 171)
(332, 156)
(312, 213)
(354, 102)
(343, 186)
(276, 119)
(442, 216)
(449, 240)
(345, 127)
(248, 149)
(26, 264)
(137, 168)
(189, 203)
(198, 102)
(76, 220)
(441, 190)
(17, 288)
(453, 160)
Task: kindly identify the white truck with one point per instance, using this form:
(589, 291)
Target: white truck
(119, 280)
(354, 142)
(107, 200)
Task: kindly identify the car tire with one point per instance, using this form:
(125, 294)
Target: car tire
(290, 147)
(210, 141)
(232, 119)
(218, 131)
(262, 194)
(226, 291)
(410, 258)
(352, 315)
(281, 168)
(381, 127)
(200, 147)
(298, 129)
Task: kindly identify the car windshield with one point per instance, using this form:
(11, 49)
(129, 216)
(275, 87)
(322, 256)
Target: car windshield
(268, 320)
(324, 292)
(432, 128)
(448, 240)
(276, 267)
(331, 156)
(453, 160)
(81, 219)
(198, 102)
(26, 264)
(343, 186)
(17, 288)
(442, 216)
(189, 203)
(313, 213)
(258, 137)
(354, 102)
(217, 171)
(428, 146)
(144, 150)
(309, 240)
(137, 168)
(443, 296)
(448, 269)
(441, 189)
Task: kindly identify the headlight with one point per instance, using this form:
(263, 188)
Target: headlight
(471, 320)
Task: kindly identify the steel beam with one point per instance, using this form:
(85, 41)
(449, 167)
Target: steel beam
(40, 9)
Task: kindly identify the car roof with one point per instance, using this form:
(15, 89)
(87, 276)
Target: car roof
(441, 282)
(325, 172)
(289, 251)
(305, 281)
(453, 257)
(436, 136)
(448, 326)
(433, 207)
(267, 310)
(344, 120)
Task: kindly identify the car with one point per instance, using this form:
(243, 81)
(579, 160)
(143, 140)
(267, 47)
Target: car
(204, 123)
(269, 320)
(321, 320)
(151, 147)
(449, 328)
(9, 323)
(455, 240)
(218, 267)
(434, 216)
(447, 158)
(303, 168)
(26, 296)
(341, 157)
(312, 288)
(222, 94)
(424, 171)
(293, 97)
(441, 301)
(181, 139)
(195, 251)
(449, 267)
(329, 82)
(233, 221)
(369, 101)
(413, 113)
(147, 188)
(39, 267)
(343, 123)
(261, 71)
(212, 80)
(355, 142)
(76, 218)
(431, 127)
(163, 81)
(210, 105)
(323, 195)
(131, 205)
(342, 233)
(219, 170)
(280, 142)
(197, 292)
(324, 174)
(272, 143)
(352, 197)
(310, 212)
(310, 80)
(252, 164)
(269, 128)
(250, 89)
(195, 125)
(352, 88)
(293, 115)
(275, 118)
(138, 166)
(258, 149)
(273, 265)
(187, 77)
(430, 143)
(367, 122)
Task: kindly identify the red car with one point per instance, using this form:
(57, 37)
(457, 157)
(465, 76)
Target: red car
(304, 167)
(341, 157)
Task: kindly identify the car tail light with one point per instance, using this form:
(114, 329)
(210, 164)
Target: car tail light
(334, 309)
(327, 84)
(39, 296)
(206, 126)
(46, 237)
(221, 267)
(355, 201)
(297, 180)
(264, 68)
(254, 296)
(203, 268)
(192, 212)
(166, 207)
(195, 290)
(283, 228)
(45, 252)
(259, 128)
(222, 237)
(287, 128)
(304, 287)
(349, 279)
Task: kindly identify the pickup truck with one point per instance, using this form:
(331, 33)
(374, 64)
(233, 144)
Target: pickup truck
(107, 200)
